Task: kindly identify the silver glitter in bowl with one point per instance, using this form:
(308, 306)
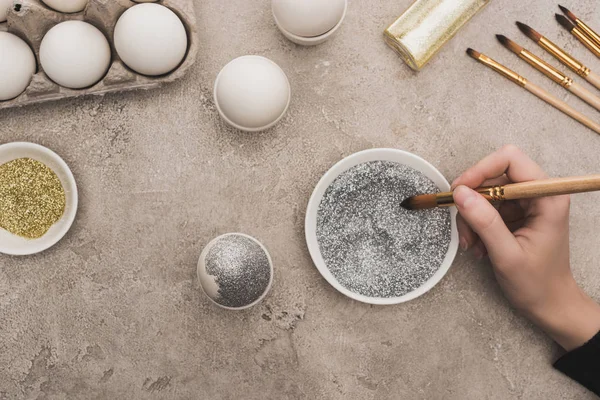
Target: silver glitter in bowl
(235, 271)
(370, 244)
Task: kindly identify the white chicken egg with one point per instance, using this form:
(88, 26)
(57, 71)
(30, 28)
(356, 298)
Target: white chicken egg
(4, 7)
(75, 54)
(252, 93)
(150, 39)
(308, 18)
(66, 6)
(17, 66)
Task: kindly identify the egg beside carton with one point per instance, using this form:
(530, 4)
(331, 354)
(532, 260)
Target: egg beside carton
(252, 93)
(309, 22)
(31, 20)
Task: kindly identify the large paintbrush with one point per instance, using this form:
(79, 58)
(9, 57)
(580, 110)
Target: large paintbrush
(513, 191)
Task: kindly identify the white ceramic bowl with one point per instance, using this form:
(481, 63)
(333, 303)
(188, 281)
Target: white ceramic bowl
(18, 246)
(315, 40)
(394, 155)
(211, 288)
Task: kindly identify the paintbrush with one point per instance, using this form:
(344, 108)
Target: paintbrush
(561, 55)
(536, 90)
(512, 191)
(581, 25)
(551, 72)
(579, 34)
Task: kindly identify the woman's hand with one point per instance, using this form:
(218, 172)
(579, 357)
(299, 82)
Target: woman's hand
(527, 242)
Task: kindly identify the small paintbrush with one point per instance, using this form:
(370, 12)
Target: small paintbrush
(513, 191)
(534, 89)
(551, 72)
(579, 34)
(561, 55)
(581, 25)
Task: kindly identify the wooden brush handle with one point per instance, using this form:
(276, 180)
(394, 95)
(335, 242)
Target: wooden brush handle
(585, 95)
(594, 79)
(552, 187)
(562, 106)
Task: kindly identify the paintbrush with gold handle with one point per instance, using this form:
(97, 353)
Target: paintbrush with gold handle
(583, 27)
(551, 72)
(579, 34)
(534, 89)
(512, 191)
(561, 55)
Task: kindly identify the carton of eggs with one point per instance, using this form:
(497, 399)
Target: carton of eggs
(99, 46)
(235, 271)
(252, 93)
(309, 22)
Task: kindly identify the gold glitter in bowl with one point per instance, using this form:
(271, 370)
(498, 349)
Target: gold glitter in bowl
(32, 198)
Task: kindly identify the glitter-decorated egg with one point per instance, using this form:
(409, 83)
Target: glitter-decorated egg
(235, 271)
(308, 22)
(252, 93)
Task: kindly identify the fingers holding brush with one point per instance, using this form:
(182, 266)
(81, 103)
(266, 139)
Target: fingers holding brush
(486, 222)
(512, 214)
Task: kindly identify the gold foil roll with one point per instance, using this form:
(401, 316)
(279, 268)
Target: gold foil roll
(427, 25)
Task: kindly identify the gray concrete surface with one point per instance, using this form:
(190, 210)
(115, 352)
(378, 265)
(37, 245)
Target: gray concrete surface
(114, 310)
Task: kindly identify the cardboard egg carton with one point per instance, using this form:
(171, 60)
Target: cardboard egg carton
(31, 19)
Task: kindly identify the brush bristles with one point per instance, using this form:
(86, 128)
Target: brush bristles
(509, 44)
(564, 21)
(568, 13)
(473, 53)
(533, 35)
(420, 202)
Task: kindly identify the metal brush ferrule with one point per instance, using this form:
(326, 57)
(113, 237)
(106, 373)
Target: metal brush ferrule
(546, 69)
(588, 31)
(557, 52)
(501, 69)
(444, 199)
(584, 71)
(492, 193)
(587, 42)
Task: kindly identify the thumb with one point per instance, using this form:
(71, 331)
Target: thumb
(485, 220)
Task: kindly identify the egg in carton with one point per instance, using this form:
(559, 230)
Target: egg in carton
(31, 20)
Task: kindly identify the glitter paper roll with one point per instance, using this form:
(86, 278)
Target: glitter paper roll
(426, 26)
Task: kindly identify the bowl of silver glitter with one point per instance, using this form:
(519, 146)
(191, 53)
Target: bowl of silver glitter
(235, 271)
(364, 243)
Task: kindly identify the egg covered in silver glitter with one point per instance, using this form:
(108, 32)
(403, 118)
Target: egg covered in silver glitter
(235, 271)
